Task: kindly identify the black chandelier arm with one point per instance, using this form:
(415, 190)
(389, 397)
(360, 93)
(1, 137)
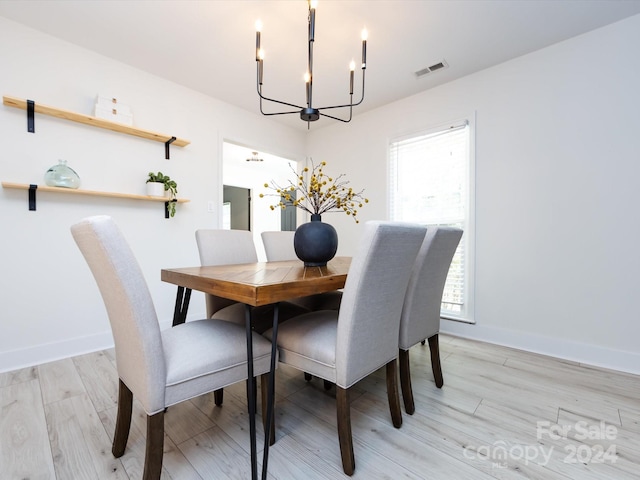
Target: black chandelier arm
(268, 114)
(277, 113)
(262, 97)
(351, 104)
(337, 118)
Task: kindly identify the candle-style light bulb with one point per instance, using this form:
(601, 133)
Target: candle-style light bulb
(365, 35)
(352, 67)
(260, 65)
(307, 86)
(258, 30)
(312, 19)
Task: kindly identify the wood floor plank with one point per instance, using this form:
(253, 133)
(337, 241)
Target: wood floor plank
(214, 454)
(505, 383)
(523, 433)
(59, 380)
(308, 465)
(24, 444)
(419, 458)
(79, 442)
(18, 376)
(184, 420)
(586, 381)
(630, 420)
(100, 379)
(320, 438)
(456, 443)
(232, 417)
(595, 433)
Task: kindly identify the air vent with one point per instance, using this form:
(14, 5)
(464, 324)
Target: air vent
(430, 69)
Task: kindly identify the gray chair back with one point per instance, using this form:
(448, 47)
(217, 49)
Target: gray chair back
(134, 323)
(369, 315)
(421, 311)
(279, 246)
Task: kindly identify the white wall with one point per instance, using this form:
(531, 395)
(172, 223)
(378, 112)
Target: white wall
(49, 304)
(557, 169)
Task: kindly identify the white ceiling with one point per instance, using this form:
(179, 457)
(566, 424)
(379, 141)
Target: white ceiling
(209, 46)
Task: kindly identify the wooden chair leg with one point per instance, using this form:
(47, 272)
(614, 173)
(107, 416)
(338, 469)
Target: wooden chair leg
(405, 382)
(217, 396)
(392, 393)
(344, 430)
(327, 385)
(423, 342)
(123, 420)
(435, 360)
(264, 385)
(307, 376)
(155, 444)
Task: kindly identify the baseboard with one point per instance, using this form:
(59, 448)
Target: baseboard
(50, 352)
(594, 355)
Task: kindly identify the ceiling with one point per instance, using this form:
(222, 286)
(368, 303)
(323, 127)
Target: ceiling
(209, 46)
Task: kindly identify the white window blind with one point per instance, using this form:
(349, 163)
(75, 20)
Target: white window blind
(430, 184)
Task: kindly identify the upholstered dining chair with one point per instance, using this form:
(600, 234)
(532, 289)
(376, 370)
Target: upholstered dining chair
(159, 368)
(347, 345)
(227, 247)
(278, 245)
(420, 318)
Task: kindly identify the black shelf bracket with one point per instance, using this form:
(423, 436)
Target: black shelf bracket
(31, 122)
(32, 197)
(166, 147)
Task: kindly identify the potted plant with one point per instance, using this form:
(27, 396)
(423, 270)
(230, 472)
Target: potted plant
(160, 185)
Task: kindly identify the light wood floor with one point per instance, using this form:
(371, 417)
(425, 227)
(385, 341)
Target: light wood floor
(502, 414)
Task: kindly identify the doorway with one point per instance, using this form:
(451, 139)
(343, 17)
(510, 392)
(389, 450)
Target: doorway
(237, 208)
(245, 170)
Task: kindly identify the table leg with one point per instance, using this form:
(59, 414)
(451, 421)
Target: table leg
(270, 392)
(251, 394)
(182, 305)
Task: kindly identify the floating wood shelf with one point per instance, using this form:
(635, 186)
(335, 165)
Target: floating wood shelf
(32, 189)
(96, 122)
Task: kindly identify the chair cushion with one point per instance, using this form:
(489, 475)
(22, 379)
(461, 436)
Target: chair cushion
(317, 357)
(205, 352)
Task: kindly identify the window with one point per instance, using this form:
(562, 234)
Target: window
(431, 183)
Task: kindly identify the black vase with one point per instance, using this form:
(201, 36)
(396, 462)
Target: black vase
(315, 242)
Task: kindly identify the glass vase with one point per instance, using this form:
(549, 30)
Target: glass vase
(62, 176)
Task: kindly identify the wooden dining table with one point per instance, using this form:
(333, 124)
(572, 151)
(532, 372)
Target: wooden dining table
(256, 284)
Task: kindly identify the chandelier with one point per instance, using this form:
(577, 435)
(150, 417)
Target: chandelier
(310, 113)
(254, 158)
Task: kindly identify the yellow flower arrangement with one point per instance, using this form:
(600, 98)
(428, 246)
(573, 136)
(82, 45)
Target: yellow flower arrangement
(317, 193)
